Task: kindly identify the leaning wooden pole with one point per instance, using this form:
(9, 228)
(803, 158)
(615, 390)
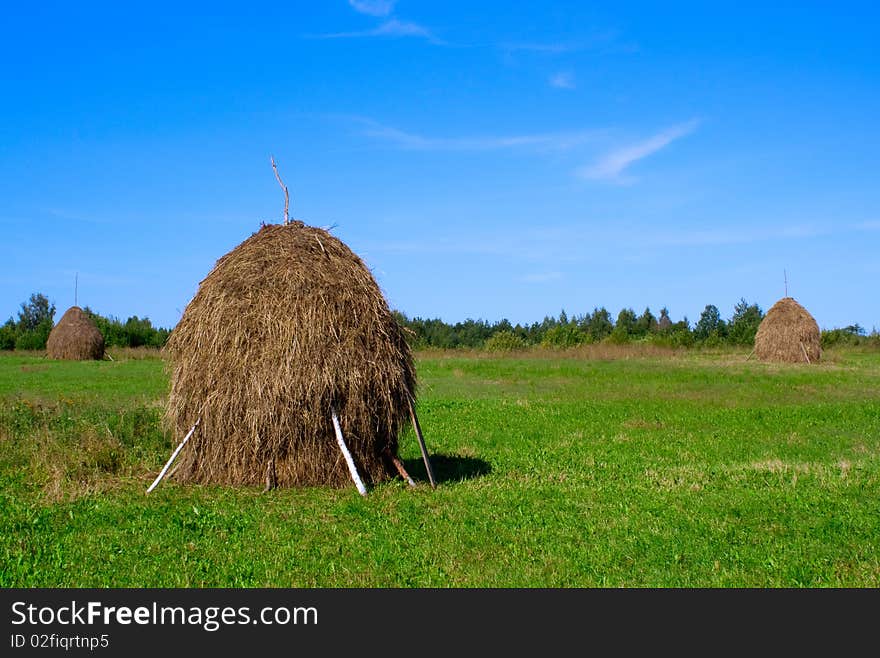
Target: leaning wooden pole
(804, 350)
(399, 466)
(422, 447)
(174, 455)
(348, 459)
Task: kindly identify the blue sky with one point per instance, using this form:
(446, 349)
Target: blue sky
(486, 160)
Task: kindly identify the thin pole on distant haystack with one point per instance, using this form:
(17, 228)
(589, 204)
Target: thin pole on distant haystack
(422, 446)
(345, 453)
(283, 187)
(76, 289)
(174, 455)
(785, 276)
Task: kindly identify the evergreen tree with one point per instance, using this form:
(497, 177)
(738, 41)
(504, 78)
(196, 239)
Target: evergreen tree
(710, 323)
(645, 323)
(744, 323)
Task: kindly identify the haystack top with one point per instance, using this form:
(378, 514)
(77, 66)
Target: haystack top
(788, 310)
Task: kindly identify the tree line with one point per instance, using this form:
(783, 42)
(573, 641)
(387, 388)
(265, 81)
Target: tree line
(30, 330)
(710, 330)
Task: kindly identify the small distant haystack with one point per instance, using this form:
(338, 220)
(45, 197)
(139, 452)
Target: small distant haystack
(287, 328)
(788, 333)
(75, 337)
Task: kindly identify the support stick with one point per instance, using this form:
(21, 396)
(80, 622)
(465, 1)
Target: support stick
(173, 455)
(399, 466)
(283, 187)
(345, 453)
(271, 479)
(804, 350)
(422, 447)
(750, 355)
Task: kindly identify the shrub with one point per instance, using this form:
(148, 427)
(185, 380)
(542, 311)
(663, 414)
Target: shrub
(852, 335)
(505, 341)
(673, 338)
(36, 338)
(714, 339)
(564, 335)
(7, 336)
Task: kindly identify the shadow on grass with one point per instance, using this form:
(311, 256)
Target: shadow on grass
(447, 468)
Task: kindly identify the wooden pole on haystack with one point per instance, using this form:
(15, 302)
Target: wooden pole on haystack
(422, 446)
(348, 458)
(283, 187)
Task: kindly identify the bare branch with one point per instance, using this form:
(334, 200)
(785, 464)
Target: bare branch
(283, 187)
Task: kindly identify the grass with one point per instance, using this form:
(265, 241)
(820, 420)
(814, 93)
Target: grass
(577, 469)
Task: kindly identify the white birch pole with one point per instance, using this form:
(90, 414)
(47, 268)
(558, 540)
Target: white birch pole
(174, 455)
(345, 453)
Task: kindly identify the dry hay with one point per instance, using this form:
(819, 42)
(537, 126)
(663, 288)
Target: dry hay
(286, 326)
(788, 333)
(75, 337)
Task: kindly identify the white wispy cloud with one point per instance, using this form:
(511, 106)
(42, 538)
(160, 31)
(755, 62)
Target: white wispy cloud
(373, 7)
(739, 235)
(549, 48)
(43, 215)
(549, 246)
(611, 166)
(541, 277)
(562, 80)
(390, 28)
(605, 41)
(538, 141)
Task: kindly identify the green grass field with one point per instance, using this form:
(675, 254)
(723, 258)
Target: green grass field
(625, 469)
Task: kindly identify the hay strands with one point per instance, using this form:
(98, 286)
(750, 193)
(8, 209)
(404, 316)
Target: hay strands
(422, 447)
(345, 453)
(174, 456)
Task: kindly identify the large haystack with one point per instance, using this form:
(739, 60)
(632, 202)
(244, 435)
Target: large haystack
(287, 326)
(75, 337)
(788, 333)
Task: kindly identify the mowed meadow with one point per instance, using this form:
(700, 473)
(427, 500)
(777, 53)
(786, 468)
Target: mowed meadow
(598, 467)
